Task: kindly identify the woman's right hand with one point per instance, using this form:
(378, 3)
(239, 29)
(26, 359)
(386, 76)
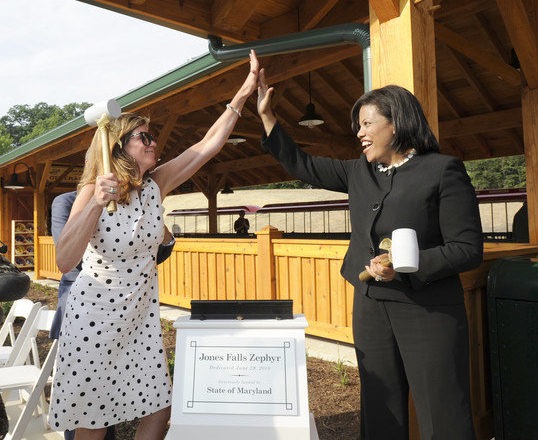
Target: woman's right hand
(106, 189)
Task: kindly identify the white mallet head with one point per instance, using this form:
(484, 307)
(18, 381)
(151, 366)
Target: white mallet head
(96, 111)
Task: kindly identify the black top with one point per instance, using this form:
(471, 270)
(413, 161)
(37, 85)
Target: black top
(431, 194)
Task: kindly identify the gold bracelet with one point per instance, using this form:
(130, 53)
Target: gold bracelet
(232, 108)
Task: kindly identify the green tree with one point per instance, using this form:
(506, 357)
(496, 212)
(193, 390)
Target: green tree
(43, 126)
(5, 140)
(23, 123)
(500, 172)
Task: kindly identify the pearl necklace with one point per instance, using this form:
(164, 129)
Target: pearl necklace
(383, 169)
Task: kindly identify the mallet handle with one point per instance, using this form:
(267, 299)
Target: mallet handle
(102, 125)
(365, 275)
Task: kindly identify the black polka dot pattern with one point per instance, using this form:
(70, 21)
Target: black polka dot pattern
(111, 364)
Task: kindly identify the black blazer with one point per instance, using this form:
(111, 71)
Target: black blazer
(431, 194)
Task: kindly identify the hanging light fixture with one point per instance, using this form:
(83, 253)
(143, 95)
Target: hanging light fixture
(14, 183)
(227, 189)
(235, 139)
(310, 118)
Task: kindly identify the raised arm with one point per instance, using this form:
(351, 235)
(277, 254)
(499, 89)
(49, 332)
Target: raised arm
(82, 221)
(176, 171)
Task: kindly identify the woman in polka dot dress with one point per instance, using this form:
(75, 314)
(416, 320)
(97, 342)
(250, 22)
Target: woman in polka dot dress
(111, 364)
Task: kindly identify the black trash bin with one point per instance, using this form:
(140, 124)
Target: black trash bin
(513, 330)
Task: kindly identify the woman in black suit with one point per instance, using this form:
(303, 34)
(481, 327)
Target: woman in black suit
(410, 330)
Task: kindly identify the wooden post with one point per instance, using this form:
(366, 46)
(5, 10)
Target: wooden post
(529, 105)
(403, 53)
(211, 194)
(40, 217)
(265, 267)
(3, 219)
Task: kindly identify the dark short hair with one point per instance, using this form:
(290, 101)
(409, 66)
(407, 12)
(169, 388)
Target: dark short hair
(403, 110)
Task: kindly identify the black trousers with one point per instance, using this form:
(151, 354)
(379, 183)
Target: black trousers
(425, 349)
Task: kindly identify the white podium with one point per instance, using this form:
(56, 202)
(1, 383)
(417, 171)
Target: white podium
(241, 379)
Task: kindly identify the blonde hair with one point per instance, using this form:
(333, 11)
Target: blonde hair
(121, 164)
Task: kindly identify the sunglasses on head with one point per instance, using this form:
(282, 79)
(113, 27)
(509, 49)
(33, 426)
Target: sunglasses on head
(147, 138)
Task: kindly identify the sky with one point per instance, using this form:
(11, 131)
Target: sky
(63, 51)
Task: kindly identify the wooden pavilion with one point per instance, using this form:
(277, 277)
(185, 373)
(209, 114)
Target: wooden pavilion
(471, 63)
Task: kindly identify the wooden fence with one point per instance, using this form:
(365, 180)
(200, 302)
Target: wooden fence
(262, 267)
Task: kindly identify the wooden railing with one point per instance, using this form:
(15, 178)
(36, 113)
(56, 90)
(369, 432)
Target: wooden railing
(264, 267)
(46, 253)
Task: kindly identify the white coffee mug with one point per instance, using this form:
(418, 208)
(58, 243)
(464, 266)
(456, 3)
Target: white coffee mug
(404, 250)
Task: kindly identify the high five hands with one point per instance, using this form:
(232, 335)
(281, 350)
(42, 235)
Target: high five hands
(265, 95)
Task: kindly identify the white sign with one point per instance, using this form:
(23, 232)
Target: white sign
(240, 376)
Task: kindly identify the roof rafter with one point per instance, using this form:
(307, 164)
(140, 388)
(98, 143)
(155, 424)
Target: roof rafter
(493, 121)
(523, 36)
(232, 15)
(492, 62)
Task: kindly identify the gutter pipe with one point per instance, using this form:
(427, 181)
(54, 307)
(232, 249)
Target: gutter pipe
(313, 39)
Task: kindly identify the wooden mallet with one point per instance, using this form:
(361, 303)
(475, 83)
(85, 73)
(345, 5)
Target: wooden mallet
(100, 115)
(386, 245)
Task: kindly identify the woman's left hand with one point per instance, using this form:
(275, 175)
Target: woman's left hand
(379, 270)
(251, 82)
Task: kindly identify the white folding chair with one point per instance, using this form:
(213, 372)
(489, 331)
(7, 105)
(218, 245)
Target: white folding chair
(30, 379)
(21, 308)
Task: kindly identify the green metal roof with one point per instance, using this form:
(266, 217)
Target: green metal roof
(185, 74)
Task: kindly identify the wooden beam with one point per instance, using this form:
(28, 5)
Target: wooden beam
(408, 42)
(278, 69)
(164, 134)
(340, 93)
(200, 183)
(494, 121)
(386, 9)
(190, 16)
(341, 12)
(346, 12)
(461, 8)
(66, 147)
(530, 135)
(476, 53)
(293, 65)
(301, 136)
(44, 177)
(65, 172)
(311, 12)
(475, 84)
(453, 107)
(516, 139)
(493, 36)
(522, 31)
(232, 15)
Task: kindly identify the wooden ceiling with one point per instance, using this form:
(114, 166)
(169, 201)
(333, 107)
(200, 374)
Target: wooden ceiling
(479, 80)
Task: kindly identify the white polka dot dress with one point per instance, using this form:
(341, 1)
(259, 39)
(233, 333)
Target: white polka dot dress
(111, 364)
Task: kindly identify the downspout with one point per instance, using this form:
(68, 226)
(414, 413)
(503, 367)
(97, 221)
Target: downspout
(314, 39)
